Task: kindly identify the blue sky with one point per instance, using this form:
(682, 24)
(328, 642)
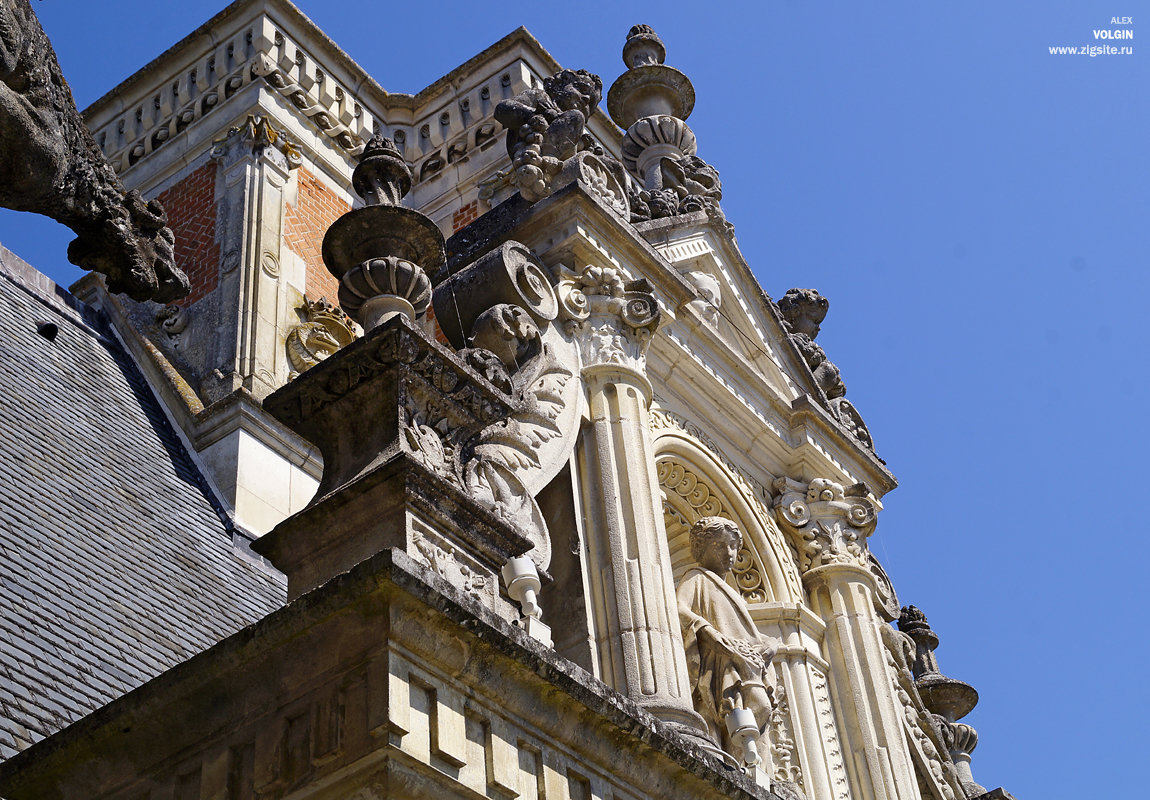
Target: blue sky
(975, 209)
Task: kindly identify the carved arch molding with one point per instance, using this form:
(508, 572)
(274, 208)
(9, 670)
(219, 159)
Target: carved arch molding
(697, 482)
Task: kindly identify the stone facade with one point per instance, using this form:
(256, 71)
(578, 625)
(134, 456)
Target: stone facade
(481, 477)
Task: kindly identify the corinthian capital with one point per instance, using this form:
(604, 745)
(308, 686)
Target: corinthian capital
(613, 320)
(827, 522)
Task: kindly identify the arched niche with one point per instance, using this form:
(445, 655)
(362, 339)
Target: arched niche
(695, 483)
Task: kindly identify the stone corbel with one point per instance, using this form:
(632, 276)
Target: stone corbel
(828, 523)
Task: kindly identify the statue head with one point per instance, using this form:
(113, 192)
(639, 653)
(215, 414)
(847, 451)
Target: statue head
(715, 542)
(804, 310)
(577, 90)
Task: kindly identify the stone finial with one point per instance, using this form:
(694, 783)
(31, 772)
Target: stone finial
(381, 253)
(648, 87)
(946, 698)
(643, 47)
(652, 101)
(949, 698)
(382, 177)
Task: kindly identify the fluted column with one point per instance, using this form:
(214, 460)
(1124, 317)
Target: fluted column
(830, 526)
(638, 644)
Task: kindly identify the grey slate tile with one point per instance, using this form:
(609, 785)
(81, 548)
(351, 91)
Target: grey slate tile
(114, 564)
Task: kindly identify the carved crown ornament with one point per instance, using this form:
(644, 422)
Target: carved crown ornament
(325, 330)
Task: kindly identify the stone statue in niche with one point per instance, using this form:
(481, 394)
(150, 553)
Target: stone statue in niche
(726, 655)
(545, 127)
(52, 166)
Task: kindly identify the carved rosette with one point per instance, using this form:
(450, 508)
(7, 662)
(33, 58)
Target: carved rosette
(612, 320)
(829, 524)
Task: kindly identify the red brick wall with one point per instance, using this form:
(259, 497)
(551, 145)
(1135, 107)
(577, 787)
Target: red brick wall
(465, 216)
(191, 207)
(305, 223)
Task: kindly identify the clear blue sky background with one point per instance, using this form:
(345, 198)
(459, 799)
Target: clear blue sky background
(975, 208)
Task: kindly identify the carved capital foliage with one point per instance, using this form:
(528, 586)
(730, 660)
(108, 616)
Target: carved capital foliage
(611, 319)
(829, 524)
(256, 136)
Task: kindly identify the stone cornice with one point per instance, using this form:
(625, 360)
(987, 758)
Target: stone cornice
(388, 578)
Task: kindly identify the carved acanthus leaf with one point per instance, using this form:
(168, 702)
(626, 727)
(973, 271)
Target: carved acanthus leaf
(829, 524)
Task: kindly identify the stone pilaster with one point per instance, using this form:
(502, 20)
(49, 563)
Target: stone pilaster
(255, 166)
(638, 642)
(830, 525)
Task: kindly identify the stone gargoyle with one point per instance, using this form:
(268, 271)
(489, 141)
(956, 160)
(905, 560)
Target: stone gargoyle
(53, 166)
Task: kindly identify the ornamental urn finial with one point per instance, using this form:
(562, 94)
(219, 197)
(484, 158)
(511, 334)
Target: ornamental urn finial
(382, 177)
(381, 253)
(649, 88)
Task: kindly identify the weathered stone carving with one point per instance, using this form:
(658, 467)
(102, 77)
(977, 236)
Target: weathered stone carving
(545, 127)
(788, 770)
(726, 655)
(830, 523)
(948, 699)
(612, 319)
(803, 311)
(652, 101)
(921, 725)
(257, 136)
(380, 252)
(52, 166)
(498, 311)
(325, 330)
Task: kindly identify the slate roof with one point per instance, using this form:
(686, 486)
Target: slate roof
(116, 562)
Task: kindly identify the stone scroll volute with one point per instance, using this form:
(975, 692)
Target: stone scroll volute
(500, 312)
(828, 523)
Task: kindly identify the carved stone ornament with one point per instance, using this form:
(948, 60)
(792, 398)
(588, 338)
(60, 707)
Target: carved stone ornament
(803, 311)
(828, 524)
(312, 106)
(499, 311)
(52, 166)
(613, 320)
(325, 331)
(727, 656)
(381, 253)
(256, 136)
(546, 127)
(922, 731)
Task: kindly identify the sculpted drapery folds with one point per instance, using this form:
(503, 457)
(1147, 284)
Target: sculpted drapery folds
(726, 655)
(52, 166)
